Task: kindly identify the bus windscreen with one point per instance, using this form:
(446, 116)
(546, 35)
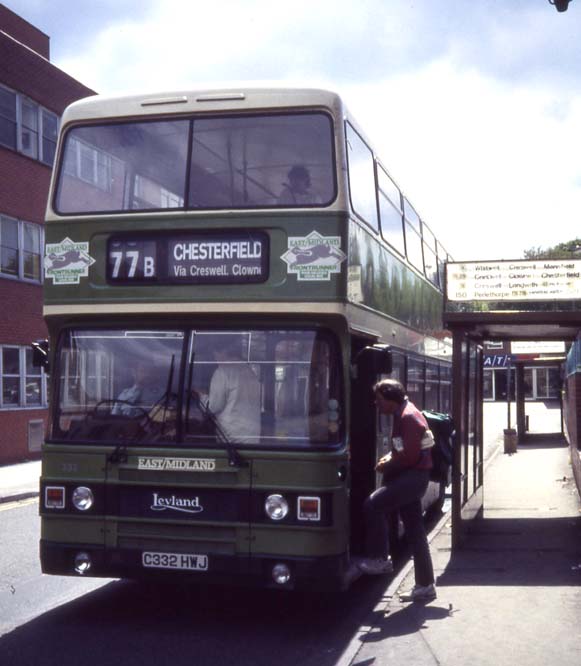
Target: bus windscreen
(198, 388)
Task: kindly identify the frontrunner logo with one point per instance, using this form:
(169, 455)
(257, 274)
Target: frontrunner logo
(314, 257)
(66, 262)
(175, 503)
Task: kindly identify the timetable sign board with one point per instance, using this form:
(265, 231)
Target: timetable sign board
(524, 280)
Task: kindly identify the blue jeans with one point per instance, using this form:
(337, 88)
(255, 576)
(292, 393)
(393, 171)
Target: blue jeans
(402, 493)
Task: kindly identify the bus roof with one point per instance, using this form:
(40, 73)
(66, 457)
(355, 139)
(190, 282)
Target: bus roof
(190, 101)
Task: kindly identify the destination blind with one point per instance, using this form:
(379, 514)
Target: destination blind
(189, 259)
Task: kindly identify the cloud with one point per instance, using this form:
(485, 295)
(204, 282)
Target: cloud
(489, 166)
(129, 44)
(474, 106)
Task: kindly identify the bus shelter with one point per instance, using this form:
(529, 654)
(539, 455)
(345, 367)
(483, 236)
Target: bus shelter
(521, 300)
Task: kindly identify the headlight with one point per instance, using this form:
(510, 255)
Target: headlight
(281, 574)
(276, 507)
(82, 563)
(83, 498)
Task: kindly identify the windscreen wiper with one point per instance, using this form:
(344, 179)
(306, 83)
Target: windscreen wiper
(234, 458)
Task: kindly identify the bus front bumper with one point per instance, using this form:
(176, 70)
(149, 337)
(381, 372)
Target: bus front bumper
(64, 559)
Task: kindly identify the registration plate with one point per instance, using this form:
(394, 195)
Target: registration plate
(175, 561)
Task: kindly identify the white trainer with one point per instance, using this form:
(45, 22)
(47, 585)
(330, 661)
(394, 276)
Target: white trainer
(376, 566)
(420, 593)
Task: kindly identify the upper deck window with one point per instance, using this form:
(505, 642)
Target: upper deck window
(282, 160)
(257, 161)
(390, 211)
(413, 236)
(130, 166)
(430, 257)
(362, 178)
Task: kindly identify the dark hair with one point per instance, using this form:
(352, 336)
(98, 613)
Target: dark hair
(299, 171)
(391, 389)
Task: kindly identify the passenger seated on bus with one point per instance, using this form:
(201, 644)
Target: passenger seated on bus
(234, 395)
(142, 394)
(297, 192)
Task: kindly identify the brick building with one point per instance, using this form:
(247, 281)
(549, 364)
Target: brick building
(33, 95)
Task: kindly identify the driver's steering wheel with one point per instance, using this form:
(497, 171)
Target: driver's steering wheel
(99, 411)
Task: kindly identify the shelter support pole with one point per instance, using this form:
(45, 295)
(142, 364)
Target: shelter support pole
(520, 402)
(459, 416)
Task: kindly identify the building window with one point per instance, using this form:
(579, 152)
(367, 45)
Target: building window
(49, 136)
(9, 256)
(8, 118)
(10, 376)
(27, 127)
(22, 384)
(20, 249)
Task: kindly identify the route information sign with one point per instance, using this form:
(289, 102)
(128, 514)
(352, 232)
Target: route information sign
(526, 280)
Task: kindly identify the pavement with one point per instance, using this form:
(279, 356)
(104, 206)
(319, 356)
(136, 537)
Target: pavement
(510, 595)
(18, 482)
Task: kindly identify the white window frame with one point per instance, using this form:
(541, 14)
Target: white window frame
(20, 249)
(35, 152)
(21, 381)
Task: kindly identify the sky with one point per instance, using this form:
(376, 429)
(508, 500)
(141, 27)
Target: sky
(474, 106)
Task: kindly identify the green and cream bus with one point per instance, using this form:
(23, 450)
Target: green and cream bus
(260, 223)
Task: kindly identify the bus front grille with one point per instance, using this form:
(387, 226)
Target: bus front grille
(178, 538)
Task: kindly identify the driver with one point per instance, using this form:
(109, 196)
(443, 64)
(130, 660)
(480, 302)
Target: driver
(144, 392)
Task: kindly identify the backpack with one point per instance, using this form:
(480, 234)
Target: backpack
(443, 430)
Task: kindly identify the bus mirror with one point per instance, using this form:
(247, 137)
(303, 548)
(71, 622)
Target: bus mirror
(373, 361)
(40, 354)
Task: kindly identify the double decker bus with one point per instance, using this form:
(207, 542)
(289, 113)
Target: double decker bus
(227, 273)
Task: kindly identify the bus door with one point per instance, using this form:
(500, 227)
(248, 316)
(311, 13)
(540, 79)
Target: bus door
(369, 435)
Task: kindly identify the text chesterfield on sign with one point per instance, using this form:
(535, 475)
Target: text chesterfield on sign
(514, 280)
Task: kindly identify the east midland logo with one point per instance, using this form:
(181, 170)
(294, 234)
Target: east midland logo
(314, 257)
(67, 262)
